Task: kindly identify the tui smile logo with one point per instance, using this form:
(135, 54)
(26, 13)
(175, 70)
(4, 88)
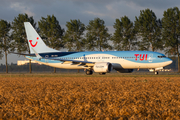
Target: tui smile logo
(35, 43)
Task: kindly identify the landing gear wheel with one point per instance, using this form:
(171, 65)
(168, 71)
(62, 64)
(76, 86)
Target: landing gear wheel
(102, 73)
(156, 73)
(89, 72)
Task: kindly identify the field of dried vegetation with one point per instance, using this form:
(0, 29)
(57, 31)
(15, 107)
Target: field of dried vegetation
(114, 98)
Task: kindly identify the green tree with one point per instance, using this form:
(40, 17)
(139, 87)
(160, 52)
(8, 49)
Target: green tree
(19, 34)
(74, 35)
(97, 35)
(148, 29)
(51, 32)
(5, 39)
(171, 32)
(124, 35)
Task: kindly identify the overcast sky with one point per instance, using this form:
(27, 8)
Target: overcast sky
(85, 10)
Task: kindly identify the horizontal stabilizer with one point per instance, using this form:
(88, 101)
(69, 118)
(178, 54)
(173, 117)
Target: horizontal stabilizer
(33, 55)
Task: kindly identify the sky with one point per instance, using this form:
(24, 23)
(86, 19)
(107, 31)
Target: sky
(84, 10)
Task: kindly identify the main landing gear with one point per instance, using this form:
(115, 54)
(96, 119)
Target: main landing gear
(102, 73)
(89, 72)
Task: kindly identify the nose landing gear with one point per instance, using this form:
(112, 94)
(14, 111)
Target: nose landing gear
(156, 72)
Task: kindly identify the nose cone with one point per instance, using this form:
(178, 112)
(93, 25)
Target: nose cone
(169, 61)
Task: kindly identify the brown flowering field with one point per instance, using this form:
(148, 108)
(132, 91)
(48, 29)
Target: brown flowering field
(84, 97)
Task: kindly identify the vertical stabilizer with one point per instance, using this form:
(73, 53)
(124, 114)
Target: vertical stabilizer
(35, 42)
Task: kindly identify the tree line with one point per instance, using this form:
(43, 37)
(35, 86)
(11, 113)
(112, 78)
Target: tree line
(147, 32)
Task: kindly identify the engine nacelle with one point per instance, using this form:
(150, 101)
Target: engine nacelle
(103, 67)
(124, 70)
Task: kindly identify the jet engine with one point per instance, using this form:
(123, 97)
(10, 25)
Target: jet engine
(104, 67)
(124, 70)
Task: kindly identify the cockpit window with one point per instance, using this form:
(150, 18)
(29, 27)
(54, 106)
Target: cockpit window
(161, 56)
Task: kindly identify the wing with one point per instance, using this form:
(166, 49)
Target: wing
(66, 61)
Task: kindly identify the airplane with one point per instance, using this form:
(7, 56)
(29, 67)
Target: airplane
(101, 62)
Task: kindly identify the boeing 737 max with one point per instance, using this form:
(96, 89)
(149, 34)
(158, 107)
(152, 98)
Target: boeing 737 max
(97, 61)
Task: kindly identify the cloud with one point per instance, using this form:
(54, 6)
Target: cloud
(157, 4)
(20, 7)
(85, 10)
(94, 13)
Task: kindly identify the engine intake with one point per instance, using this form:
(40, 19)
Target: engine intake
(103, 67)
